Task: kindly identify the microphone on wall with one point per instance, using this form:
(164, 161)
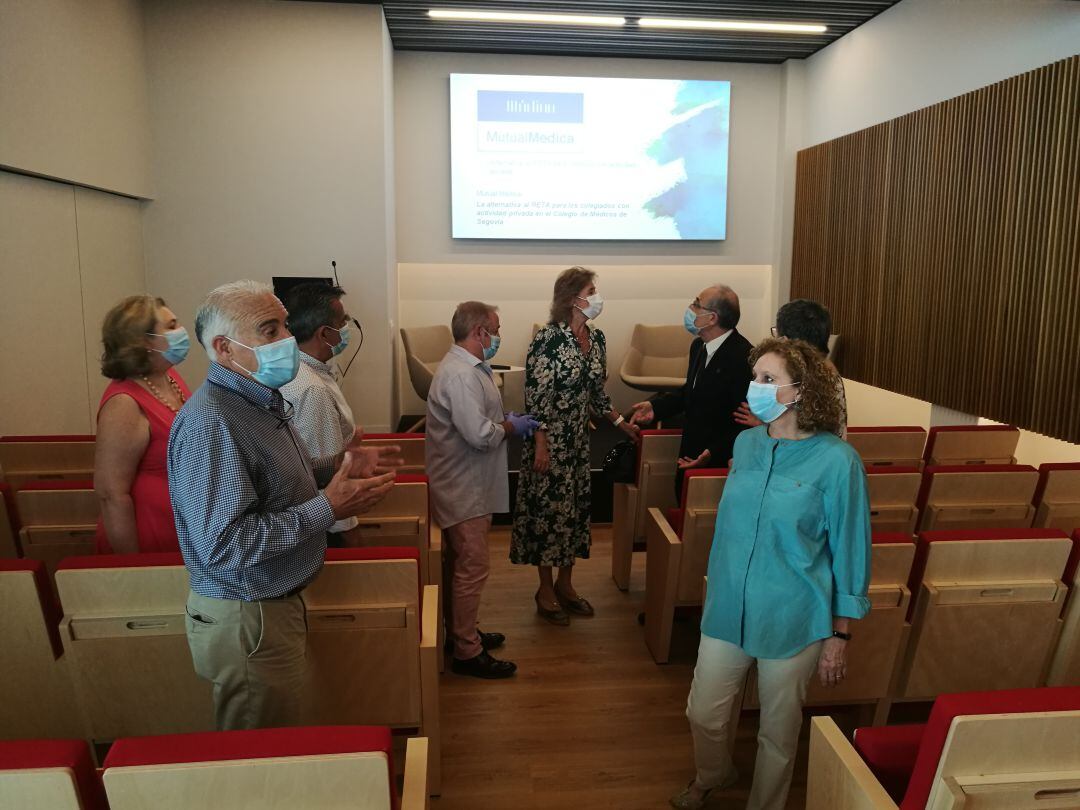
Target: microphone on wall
(333, 265)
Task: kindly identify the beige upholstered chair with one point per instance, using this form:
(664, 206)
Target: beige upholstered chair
(425, 347)
(656, 359)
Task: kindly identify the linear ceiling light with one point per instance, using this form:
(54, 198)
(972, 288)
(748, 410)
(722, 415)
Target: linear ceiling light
(521, 17)
(732, 25)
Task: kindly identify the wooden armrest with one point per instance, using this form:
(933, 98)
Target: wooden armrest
(838, 779)
(657, 522)
(434, 537)
(414, 793)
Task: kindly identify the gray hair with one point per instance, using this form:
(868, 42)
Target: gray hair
(222, 310)
(726, 306)
(468, 316)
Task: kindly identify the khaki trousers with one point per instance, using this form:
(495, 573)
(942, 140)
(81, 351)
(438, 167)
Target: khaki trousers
(468, 563)
(782, 682)
(254, 654)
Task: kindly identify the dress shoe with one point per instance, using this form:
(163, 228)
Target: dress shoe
(554, 615)
(684, 800)
(579, 606)
(483, 666)
(489, 641)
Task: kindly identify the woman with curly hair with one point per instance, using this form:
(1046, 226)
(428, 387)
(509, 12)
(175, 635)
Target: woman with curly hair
(788, 570)
(565, 372)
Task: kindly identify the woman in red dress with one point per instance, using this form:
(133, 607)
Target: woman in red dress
(143, 341)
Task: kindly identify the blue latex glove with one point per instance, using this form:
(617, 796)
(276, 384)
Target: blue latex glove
(522, 424)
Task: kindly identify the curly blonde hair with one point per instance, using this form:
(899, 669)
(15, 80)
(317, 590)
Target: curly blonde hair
(569, 283)
(818, 408)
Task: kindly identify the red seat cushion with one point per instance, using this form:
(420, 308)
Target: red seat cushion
(886, 538)
(948, 707)
(675, 519)
(148, 560)
(73, 754)
(411, 478)
(890, 752)
(50, 607)
(221, 746)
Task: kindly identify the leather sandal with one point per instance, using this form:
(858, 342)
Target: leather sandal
(579, 606)
(557, 616)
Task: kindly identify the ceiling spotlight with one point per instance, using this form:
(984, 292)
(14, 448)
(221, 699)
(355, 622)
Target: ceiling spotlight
(524, 17)
(731, 25)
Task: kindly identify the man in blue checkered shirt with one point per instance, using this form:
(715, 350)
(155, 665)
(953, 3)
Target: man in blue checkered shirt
(249, 514)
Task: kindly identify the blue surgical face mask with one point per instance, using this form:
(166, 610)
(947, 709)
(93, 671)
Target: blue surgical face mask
(278, 362)
(343, 341)
(179, 343)
(761, 397)
(489, 351)
(688, 320)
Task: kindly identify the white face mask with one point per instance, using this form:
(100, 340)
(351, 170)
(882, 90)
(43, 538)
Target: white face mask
(594, 308)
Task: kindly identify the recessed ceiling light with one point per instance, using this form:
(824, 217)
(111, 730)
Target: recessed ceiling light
(732, 25)
(524, 17)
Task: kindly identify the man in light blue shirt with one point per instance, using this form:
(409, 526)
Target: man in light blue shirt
(249, 514)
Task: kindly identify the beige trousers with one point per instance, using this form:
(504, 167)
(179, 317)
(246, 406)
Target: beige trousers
(254, 654)
(468, 565)
(782, 682)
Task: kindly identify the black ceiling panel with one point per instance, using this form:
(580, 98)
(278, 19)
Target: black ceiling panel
(411, 29)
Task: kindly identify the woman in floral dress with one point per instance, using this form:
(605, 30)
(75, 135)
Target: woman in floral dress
(564, 379)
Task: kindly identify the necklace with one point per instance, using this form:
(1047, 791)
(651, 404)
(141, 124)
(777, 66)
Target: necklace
(176, 390)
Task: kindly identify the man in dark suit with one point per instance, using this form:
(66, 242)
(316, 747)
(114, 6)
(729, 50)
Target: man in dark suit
(717, 377)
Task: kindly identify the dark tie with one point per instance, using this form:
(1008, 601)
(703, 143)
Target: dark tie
(699, 364)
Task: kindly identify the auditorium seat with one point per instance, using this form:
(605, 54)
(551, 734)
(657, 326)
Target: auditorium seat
(43, 458)
(425, 347)
(1065, 666)
(1057, 497)
(124, 637)
(403, 518)
(656, 359)
(954, 445)
(58, 518)
(412, 449)
(330, 767)
(1014, 750)
(373, 648)
(893, 493)
(986, 608)
(38, 699)
(878, 639)
(55, 774)
(654, 486)
(9, 524)
(888, 446)
(995, 496)
(677, 555)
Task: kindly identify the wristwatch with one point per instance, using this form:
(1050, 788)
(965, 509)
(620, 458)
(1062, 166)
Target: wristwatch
(841, 635)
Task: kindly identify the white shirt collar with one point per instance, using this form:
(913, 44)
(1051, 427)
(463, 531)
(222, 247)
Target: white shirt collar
(714, 344)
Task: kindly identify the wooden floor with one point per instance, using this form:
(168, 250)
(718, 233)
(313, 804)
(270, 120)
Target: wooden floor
(589, 720)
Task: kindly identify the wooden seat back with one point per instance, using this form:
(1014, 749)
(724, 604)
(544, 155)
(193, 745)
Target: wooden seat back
(986, 609)
(1057, 497)
(888, 446)
(893, 493)
(124, 636)
(957, 445)
(44, 458)
(654, 487)
(58, 519)
(39, 700)
(411, 444)
(991, 497)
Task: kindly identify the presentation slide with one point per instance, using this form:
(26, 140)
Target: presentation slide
(558, 157)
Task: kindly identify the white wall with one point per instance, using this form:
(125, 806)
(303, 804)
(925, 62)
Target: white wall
(272, 155)
(68, 255)
(920, 52)
(642, 281)
(73, 95)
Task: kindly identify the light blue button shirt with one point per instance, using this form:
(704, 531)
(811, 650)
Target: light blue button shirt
(792, 544)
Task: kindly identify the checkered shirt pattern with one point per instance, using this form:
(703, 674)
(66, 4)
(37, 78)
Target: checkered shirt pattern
(250, 519)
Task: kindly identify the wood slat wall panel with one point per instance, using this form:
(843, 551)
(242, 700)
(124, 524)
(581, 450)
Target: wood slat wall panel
(946, 242)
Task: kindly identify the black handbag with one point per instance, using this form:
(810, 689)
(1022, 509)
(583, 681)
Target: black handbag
(621, 462)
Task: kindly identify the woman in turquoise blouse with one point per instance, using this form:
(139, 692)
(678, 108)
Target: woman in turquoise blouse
(788, 569)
